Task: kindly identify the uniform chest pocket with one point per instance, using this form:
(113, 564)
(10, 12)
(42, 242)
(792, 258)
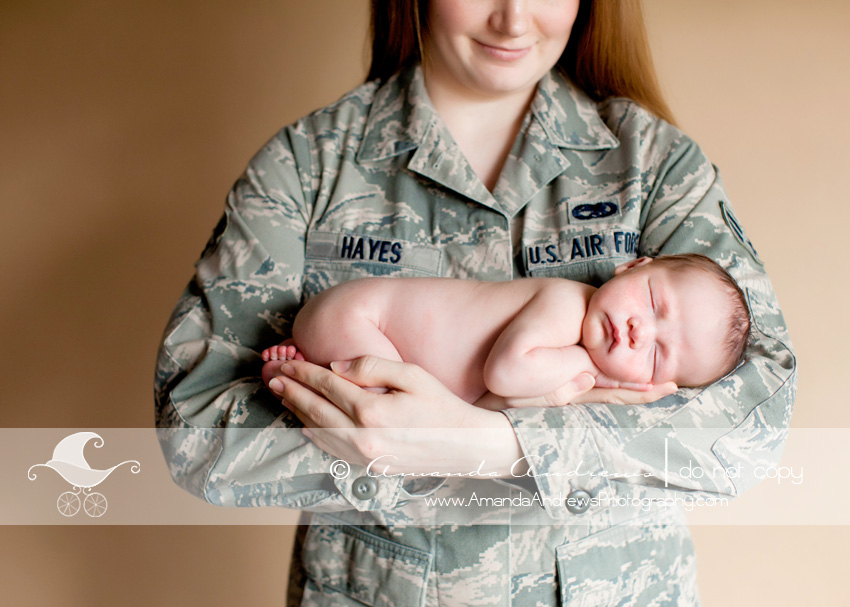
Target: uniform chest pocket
(637, 564)
(345, 560)
(336, 257)
(586, 255)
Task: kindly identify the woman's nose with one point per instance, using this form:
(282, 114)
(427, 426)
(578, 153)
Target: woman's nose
(510, 17)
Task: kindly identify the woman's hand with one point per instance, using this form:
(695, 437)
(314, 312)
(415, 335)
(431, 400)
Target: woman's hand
(583, 390)
(624, 396)
(418, 426)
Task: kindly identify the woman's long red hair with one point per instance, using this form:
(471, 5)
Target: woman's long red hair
(607, 55)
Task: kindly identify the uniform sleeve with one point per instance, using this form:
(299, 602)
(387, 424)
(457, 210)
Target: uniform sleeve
(224, 436)
(708, 442)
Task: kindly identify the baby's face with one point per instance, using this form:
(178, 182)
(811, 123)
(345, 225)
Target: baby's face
(651, 324)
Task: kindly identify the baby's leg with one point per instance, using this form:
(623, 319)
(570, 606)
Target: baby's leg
(333, 327)
(342, 323)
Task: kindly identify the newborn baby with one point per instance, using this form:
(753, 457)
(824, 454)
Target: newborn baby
(678, 318)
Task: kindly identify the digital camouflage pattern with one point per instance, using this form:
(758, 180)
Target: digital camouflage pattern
(375, 185)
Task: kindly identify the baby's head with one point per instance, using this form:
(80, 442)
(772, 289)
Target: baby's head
(677, 318)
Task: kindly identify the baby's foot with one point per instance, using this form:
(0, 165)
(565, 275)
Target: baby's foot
(285, 351)
(274, 355)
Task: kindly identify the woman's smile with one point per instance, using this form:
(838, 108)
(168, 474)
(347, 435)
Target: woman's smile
(502, 53)
(468, 45)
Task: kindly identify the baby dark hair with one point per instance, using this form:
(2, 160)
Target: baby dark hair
(738, 321)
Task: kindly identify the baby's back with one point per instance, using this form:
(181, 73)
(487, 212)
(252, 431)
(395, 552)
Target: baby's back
(446, 326)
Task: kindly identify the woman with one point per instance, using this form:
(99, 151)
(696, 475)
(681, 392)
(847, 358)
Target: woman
(479, 158)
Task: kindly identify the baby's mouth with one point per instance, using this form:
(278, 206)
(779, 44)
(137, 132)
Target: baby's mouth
(614, 333)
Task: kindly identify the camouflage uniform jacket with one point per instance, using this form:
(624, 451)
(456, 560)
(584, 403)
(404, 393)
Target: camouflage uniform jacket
(375, 185)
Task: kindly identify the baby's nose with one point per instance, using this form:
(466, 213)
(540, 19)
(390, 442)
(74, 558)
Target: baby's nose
(638, 333)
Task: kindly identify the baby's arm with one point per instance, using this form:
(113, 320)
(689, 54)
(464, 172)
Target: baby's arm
(536, 371)
(537, 353)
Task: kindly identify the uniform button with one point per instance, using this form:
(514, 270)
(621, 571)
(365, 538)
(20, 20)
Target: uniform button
(578, 501)
(364, 487)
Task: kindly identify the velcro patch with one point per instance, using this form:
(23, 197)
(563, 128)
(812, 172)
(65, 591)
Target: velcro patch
(738, 231)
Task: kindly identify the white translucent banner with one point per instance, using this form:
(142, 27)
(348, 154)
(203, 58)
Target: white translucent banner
(119, 476)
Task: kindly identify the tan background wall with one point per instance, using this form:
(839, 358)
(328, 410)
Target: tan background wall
(122, 126)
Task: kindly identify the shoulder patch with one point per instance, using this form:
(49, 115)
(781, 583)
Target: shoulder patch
(738, 231)
(215, 237)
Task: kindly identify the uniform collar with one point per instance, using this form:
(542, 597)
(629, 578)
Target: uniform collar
(568, 116)
(403, 118)
(562, 118)
(388, 133)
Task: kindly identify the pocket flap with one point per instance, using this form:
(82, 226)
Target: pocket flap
(365, 567)
(636, 564)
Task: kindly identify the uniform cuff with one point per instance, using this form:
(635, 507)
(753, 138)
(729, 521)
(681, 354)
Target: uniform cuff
(368, 491)
(563, 459)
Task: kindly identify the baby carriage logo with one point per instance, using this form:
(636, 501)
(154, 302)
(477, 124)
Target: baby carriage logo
(69, 462)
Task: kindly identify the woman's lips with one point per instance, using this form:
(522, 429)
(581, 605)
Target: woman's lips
(504, 54)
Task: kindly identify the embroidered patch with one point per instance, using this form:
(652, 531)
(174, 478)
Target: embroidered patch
(738, 231)
(588, 211)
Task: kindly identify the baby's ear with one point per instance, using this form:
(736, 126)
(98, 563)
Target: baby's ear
(632, 263)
